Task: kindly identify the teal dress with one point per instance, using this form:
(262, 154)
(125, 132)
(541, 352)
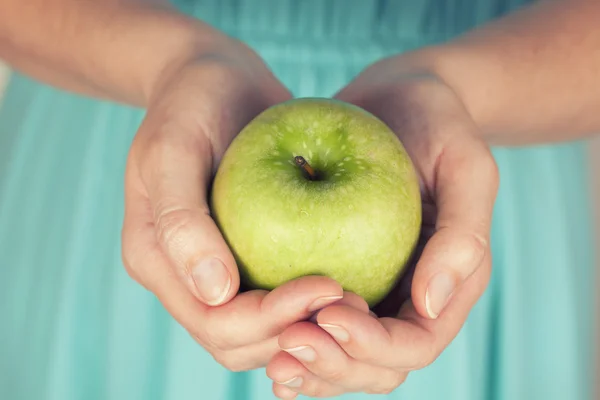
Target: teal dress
(75, 326)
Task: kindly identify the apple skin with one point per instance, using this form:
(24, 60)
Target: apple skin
(358, 223)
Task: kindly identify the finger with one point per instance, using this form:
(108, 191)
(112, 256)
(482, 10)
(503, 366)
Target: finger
(351, 300)
(175, 171)
(466, 187)
(249, 318)
(367, 339)
(247, 358)
(315, 348)
(283, 392)
(290, 376)
(408, 342)
(258, 315)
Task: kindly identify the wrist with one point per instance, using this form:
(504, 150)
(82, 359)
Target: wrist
(185, 42)
(460, 71)
(223, 58)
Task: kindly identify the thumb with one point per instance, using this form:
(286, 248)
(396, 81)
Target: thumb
(175, 170)
(466, 183)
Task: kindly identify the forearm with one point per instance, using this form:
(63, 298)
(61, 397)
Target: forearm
(531, 77)
(113, 49)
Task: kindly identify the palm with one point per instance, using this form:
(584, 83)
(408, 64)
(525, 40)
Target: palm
(431, 122)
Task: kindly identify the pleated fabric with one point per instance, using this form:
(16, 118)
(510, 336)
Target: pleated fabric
(75, 326)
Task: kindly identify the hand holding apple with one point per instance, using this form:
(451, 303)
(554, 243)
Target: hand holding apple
(349, 351)
(170, 243)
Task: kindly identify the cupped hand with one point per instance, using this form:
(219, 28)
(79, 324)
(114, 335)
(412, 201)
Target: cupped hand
(170, 243)
(351, 351)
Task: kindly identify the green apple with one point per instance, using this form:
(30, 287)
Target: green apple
(318, 187)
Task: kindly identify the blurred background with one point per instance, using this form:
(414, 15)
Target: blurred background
(595, 177)
(594, 182)
(3, 77)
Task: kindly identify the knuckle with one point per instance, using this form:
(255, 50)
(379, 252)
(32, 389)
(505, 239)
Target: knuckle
(429, 356)
(390, 383)
(132, 273)
(425, 352)
(477, 247)
(207, 335)
(130, 260)
(469, 251)
(216, 340)
(334, 375)
(272, 370)
(314, 388)
(399, 379)
(172, 222)
(163, 141)
(128, 264)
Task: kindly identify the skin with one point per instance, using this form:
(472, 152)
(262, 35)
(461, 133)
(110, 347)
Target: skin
(364, 353)
(528, 78)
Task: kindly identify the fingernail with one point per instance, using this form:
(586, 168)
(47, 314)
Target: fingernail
(322, 302)
(439, 291)
(338, 333)
(372, 314)
(212, 281)
(295, 382)
(302, 353)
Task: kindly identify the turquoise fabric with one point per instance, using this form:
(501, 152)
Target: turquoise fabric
(75, 326)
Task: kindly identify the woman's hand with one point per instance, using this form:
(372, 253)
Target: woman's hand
(350, 351)
(170, 243)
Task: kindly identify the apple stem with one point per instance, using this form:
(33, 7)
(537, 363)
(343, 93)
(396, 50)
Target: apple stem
(302, 163)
